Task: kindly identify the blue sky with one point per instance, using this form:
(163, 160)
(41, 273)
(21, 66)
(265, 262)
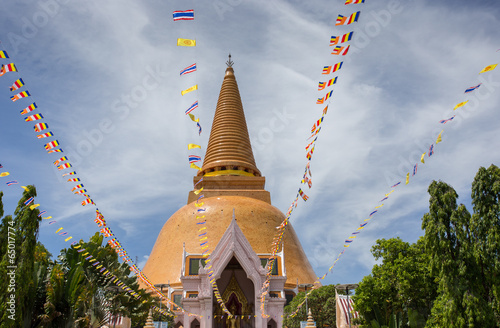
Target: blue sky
(106, 78)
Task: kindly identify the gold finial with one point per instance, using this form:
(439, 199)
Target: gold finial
(229, 63)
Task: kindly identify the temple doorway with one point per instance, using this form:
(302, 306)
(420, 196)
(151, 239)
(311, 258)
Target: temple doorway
(238, 295)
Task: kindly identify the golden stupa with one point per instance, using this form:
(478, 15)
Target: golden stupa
(231, 183)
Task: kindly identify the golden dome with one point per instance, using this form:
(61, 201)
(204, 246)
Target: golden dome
(257, 220)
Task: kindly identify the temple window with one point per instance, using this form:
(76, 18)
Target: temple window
(194, 265)
(274, 271)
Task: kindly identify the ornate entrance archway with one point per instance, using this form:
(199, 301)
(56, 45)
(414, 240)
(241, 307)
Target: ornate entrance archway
(238, 298)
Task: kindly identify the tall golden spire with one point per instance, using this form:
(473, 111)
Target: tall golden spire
(229, 151)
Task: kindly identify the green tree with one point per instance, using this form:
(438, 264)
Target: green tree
(464, 252)
(23, 230)
(80, 295)
(402, 283)
(321, 301)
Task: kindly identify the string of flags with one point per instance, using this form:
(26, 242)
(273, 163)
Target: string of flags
(364, 223)
(193, 159)
(63, 163)
(340, 48)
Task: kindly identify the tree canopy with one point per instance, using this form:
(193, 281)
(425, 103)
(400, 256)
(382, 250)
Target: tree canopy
(450, 276)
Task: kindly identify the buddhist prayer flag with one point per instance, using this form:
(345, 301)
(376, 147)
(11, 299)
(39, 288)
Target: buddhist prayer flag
(74, 180)
(422, 158)
(407, 178)
(189, 69)
(194, 87)
(17, 84)
(183, 15)
(12, 68)
(341, 39)
(191, 146)
(349, 2)
(192, 107)
(4, 174)
(55, 151)
(77, 187)
(34, 118)
(51, 145)
(87, 201)
(45, 135)
(29, 108)
(303, 195)
(4, 54)
(64, 166)
(460, 104)
(472, 88)
(488, 68)
(186, 42)
(342, 20)
(339, 50)
(20, 95)
(81, 191)
(70, 173)
(62, 159)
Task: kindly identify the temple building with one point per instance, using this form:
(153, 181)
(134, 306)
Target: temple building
(240, 224)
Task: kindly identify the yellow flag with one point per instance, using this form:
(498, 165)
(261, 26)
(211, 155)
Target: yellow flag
(407, 178)
(186, 42)
(194, 87)
(387, 195)
(197, 192)
(379, 206)
(68, 238)
(4, 174)
(460, 105)
(196, 167)
(199, 204)
(438, 140)
(488, 68)
(422, 158)
(25, 188)
(191, 116)
(32, 207)
(48, 217)
(191, 146)
(59, 230)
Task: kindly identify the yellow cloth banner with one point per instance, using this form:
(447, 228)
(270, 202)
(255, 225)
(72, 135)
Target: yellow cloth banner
(460, 105)
(4, 174)
(488, 68)
(191, 146)
(422, 158)
(407, 178)
(194, 87)
(438, 140)
(186, 42)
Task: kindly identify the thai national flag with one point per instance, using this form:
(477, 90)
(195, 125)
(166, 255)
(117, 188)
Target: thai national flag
(183, 15)
(189, 69)
(192, 107)
(194, 158)
(472, 88)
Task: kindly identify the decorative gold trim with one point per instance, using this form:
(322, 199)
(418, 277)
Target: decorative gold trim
(234, 287)
(228, 172)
